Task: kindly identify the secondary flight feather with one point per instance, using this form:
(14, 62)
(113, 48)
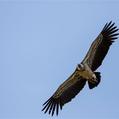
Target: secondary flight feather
(84, 72)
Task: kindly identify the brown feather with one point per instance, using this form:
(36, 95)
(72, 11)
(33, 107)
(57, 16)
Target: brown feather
(101, 45)
(67, 91)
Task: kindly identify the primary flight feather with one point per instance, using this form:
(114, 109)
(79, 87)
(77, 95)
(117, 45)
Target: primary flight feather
(84, 72)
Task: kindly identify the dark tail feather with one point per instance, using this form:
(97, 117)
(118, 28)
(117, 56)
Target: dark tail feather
(93, 85)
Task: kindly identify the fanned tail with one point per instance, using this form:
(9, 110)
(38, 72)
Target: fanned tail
(93, 85)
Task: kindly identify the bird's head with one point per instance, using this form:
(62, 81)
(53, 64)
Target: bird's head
(80, 67)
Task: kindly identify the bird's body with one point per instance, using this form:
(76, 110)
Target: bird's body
(84, 72)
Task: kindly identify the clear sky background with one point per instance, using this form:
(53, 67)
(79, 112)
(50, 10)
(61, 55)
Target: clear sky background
(41, 42)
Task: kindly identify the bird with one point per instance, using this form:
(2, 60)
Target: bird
(85, 72)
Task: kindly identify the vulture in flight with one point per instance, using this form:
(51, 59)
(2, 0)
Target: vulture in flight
(84, 72)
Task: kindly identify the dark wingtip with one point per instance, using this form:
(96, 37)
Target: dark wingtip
(110, 31)
(51, 106)
(108, 25)
(47, 101)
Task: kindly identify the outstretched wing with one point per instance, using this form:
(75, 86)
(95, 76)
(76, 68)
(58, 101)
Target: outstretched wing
(66, 91)
(101, 45)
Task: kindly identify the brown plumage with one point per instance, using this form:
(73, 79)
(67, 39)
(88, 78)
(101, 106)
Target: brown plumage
(84, 72)
(68, 90)
(101, 45)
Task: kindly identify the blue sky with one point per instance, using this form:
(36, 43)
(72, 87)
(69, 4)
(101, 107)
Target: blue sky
(41, 42)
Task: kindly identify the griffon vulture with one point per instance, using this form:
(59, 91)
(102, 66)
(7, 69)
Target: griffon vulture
(84, 72)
